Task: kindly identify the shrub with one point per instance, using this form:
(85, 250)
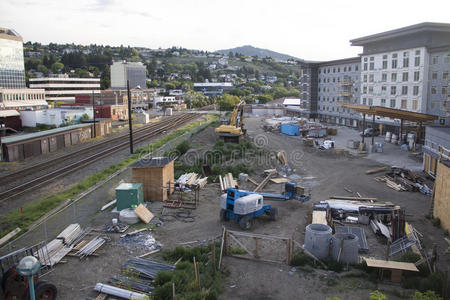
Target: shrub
(182, 148)
(377, 295)
(428, 295)
(300, 259)
(409, 257)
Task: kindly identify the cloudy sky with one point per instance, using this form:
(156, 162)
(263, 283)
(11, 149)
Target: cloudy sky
(315, 30)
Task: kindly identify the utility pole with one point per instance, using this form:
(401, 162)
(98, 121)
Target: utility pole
(130, 121)
(93, 113)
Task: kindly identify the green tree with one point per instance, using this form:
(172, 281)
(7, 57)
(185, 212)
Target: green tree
(43, 69)
(227, 102)
(57, 67)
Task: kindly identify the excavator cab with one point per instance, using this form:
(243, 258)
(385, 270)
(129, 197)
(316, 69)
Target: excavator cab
(234, 130)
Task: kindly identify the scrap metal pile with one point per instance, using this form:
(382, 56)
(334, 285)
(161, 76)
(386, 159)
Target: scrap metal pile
(136, 280)
(350, 215)
(401, 179)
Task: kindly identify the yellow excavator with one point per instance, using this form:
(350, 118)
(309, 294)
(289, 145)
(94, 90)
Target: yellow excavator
(234, 130)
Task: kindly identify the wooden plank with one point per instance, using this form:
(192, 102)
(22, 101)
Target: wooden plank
(80, 245)
(252, 181)
(134, 232)
(221, 248)
(278, 180)
(9, 236)
(319, 217)
(255, 235)
(394, 265)
(376, 170)
(264, 182)
(143, 213)
(149, 253)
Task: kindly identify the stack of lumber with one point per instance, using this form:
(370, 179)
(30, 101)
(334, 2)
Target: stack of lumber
(192, 180)
(227, 182)
(53, 252)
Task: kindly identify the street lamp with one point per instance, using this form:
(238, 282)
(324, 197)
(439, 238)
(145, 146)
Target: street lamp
(28, 267)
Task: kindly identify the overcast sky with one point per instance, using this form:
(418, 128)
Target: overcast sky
(313, 30)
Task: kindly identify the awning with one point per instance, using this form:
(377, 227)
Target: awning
(391, 113)
(9, 113)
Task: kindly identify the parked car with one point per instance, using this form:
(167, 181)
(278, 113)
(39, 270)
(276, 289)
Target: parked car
(370, 132)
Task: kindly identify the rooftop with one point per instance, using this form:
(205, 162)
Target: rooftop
(21, 137)
(9, 34)
(153, 162)
(213, 84)
(413, 29)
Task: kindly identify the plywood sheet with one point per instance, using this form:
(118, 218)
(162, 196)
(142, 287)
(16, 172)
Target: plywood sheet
(319, 217)
(278, 180)
(143, 213)
(441, 208)
(387, 264)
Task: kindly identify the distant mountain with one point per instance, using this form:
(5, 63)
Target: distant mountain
(253, 51)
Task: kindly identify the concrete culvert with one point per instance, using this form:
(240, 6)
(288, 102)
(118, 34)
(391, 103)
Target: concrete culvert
(317, 240)
(350, 247)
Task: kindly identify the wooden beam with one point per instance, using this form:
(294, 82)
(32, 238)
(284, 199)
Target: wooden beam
(221, 247)
(253, 235)
(264, 182)
(9, 236)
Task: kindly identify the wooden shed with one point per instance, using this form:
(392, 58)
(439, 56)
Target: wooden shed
(157, 176)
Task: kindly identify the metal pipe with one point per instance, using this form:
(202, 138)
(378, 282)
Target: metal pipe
(118, 292)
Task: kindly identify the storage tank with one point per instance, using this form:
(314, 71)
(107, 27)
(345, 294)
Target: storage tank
(317, 240)
(350, 247)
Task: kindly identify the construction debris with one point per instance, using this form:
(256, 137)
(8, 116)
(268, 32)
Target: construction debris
(227, 182)
(376, 170)
(190, 180)
(141, 241)
(9, 236)
(118, 292)
(145, 268)
(92, 246)
(401, 179)
(265, 181)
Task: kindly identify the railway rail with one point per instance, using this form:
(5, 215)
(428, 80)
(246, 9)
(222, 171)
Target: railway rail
(88, 155)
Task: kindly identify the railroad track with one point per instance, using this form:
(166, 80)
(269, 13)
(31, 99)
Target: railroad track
(87, 157)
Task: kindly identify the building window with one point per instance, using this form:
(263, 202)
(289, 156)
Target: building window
(365, 66)
(414, 104)
(405, 76)
(394, 61)
(393, 90)
(417, 52)
(404, 104)
(404, 90)
(383, 89)
(393, 103)
(372, 66)
(444, 90)
(364, 101)
(433, 90)
(370, 101)
(434, 75)
(417, 61)
(405, 62)
(434, 60)
(385, 62)
(356, 68)
(364, 89)
(383, 77)
(365, 78)
(447, 59)
(383, 102)
(371, 78)
(416, 90)
(370, 89)
(394, 77)
(445, 75)
(417, 76)
(334, 70)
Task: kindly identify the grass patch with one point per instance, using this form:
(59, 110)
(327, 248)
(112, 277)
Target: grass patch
(184, 276)
(35, 210)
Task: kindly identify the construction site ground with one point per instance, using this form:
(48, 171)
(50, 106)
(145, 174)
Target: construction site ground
(323, 171)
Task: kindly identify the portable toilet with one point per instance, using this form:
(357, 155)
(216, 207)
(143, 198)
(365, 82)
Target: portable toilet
(129, 194)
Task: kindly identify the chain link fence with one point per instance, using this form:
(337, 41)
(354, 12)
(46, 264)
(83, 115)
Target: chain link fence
(85, 209)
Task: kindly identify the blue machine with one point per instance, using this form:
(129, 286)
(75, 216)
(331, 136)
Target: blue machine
(243, 206)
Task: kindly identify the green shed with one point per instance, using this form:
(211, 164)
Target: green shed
(129, 194)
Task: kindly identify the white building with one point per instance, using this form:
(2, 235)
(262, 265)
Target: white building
(12, 68)
(55, 116)
(64, 89)
(396, 67)
(122, 71)
(20, 99)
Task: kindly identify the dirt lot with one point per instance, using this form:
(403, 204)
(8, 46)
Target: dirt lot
(325, 173)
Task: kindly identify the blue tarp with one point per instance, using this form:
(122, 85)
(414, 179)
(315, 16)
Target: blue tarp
(290, 129)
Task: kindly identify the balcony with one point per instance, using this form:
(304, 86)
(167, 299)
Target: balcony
(346, 83)
(345, 94)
